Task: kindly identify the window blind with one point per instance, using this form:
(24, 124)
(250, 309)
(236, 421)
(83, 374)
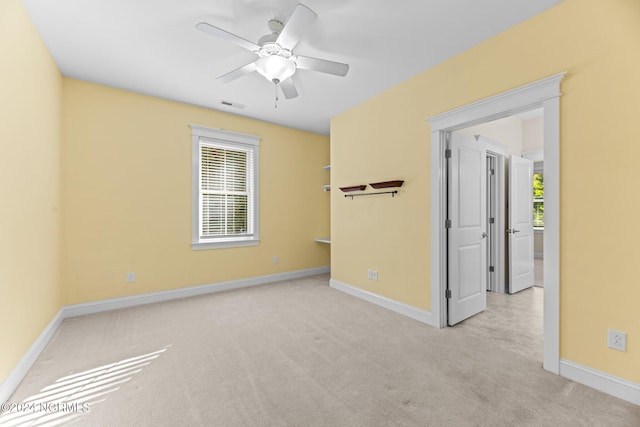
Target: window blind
(225, 191)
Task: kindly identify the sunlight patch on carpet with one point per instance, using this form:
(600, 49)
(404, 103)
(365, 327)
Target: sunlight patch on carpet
(72, 396)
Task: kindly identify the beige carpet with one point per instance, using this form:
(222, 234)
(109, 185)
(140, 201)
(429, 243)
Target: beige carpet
(538, 272)
(298, 353)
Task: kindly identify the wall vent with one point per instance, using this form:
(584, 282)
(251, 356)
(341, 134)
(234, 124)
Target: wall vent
(232, 104)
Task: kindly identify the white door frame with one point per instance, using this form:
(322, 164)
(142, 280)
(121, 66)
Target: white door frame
(499, 152)
(544, 93)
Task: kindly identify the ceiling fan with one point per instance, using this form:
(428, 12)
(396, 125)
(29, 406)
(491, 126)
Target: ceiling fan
(276, 59)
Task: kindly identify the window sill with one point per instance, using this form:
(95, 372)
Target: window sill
(200, 246)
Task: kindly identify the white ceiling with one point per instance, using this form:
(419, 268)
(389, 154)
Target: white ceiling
(151, 47)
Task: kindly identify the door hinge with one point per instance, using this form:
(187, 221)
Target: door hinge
(447, 293)
(492, 220)
(491, 269)
(493, 171)
(447, 153)
(447, 223)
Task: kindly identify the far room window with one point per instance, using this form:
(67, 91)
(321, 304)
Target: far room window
(538, 200)
(225, 188)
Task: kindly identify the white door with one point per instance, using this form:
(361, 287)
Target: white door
(467, 249)
(520, 229)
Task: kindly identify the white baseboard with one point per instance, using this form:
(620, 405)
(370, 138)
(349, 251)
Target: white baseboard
(606, 383)
(149, 298)
(601, 381)
(401, 308)
(11, 382)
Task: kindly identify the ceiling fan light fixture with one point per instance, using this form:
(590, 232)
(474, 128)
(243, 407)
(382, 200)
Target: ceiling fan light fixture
(276, 68)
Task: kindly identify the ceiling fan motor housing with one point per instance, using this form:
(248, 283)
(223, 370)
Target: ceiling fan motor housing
(276, 28)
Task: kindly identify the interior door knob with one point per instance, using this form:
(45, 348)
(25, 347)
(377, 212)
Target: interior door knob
(484, 234)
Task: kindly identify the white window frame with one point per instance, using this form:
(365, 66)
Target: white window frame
(250, 143)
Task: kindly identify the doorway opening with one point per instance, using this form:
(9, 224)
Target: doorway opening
(515, 139)
(542, 94)
(507, 232)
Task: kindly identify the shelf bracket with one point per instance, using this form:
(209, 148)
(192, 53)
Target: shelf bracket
(393, 194)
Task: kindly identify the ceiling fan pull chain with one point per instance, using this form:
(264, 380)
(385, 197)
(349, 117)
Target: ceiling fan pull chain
(275, 85)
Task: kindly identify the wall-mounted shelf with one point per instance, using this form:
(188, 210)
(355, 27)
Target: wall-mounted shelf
(376, 185)
(353, 188)
(387, 184)
(323, 240)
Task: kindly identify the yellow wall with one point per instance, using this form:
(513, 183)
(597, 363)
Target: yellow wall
(533, 134)
(596, 42)
(95, 182)
(30, 105)
(127, 196)
(507, 131)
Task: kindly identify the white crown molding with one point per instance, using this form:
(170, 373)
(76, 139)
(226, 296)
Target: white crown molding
(494, 107)
(606, 383)
(11, 382)
(401, 308)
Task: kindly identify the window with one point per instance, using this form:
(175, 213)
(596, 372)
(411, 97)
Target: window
(538, 199)
(225, 188)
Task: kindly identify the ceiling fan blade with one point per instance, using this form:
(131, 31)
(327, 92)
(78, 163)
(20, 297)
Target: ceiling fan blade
(299, 21)
(225, 35)
(238, 72)
(322, 65)
(289, 88)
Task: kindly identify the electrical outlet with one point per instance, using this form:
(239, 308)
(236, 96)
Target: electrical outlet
(131, 277)
(370, 274)
(375, 276)
(617, 340)
(276, 259)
